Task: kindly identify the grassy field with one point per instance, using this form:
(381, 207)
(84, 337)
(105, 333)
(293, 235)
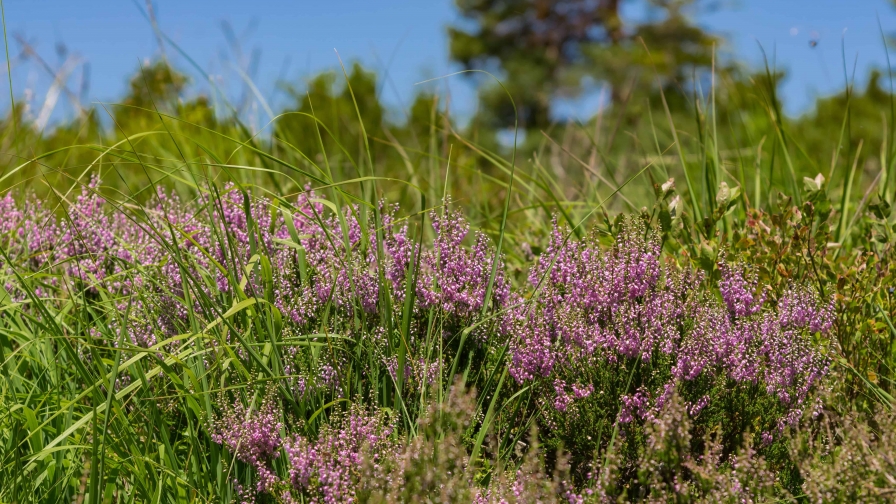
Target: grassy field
(689, 303)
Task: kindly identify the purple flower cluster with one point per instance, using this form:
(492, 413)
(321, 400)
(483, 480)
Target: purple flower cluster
(591, 308)
(84, 241)
(633, 405)
(455, 279)
(416, 373)
(739, 292)
(591, 304)
(326, 470)
(253, 437)
(563, 398)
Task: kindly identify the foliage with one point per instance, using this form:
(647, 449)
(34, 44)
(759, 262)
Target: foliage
(546, 50)
(655, 311)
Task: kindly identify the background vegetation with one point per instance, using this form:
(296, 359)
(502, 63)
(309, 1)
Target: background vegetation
(691, 151)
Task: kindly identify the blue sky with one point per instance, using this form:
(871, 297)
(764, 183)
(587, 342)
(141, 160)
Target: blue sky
(297, 38)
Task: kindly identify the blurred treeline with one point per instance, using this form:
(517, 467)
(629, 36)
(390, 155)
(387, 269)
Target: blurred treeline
(673, 104)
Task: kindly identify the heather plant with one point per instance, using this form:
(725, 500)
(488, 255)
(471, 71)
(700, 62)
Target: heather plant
(435, 466)
(801, 242)
(613, 333)
(253, 436)
(350, 454)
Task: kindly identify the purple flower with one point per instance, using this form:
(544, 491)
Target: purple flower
(739, 292)
(253, 436)
(455, 279)
(326, 469)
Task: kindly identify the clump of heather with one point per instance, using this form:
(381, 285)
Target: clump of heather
(329, 469)
(357, 457)
(531, 482)
(83, 244)
(589, 304)
(455, 279)
(739, 289)
(435, 464)
(609, 335)
(253, 436)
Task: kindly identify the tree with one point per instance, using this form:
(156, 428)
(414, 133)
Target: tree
(328, 98)
(158, 86)
(545, 49)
